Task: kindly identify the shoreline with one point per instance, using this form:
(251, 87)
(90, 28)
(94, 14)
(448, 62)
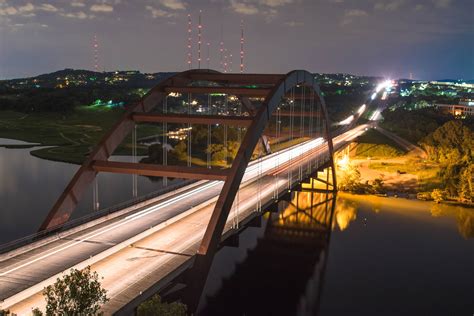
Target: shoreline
(387, 196)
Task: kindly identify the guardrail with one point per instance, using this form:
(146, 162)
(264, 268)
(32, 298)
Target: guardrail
(84, 219)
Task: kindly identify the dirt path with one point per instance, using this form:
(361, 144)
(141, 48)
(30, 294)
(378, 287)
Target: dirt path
(392, 180)
(410, 148)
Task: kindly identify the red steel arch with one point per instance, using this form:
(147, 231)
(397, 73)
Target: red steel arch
(224, 203)
(275, 88)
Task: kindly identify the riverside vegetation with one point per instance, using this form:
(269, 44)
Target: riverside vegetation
(445, 174)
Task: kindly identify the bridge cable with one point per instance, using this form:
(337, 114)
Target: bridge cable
(165, 139)
(302, 105)
(239, 141)
(310, 126)
(318, 130)
(225, 130)
(275, 165)
(95, 195)
(209, 140)
(259, 183)
(292, 112)
(134, 160)
(189, 132)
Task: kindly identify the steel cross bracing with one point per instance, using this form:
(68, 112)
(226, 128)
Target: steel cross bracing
(268, 89)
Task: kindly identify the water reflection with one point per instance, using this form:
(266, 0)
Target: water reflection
(289, 250)
(383, 248)
(464, 217)
(29, 186)
(348, 204)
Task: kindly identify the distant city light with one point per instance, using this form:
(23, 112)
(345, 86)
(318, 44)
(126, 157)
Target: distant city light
(387, 84)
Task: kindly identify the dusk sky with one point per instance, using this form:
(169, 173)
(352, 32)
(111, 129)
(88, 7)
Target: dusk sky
(433, 39)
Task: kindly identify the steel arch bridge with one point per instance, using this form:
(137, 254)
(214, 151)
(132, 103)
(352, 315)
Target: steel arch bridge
(268, 89)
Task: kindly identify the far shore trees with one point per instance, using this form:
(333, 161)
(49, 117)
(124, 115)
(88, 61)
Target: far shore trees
(452, 146)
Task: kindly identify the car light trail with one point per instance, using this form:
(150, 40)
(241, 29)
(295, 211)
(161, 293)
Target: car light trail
(250, 173)
(347, 121)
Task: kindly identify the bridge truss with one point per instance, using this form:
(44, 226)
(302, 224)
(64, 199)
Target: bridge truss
(265, 100)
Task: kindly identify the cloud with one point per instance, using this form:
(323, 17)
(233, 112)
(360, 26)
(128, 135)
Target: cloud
(294, 23)
(275, 3)
(48, 7)
(266, 8)
(9, 11)
(101, 8)
(173, 4)
(392, 5)
(156, 13)
(243, 8)
(26, 8)
(351, 14)
(442, 3)
(77, 4)
(76, 15)
(418, 7)
(356, 12)
(270, 14)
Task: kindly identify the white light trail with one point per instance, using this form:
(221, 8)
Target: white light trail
(250, 173)
(375, 116)
(347, 121)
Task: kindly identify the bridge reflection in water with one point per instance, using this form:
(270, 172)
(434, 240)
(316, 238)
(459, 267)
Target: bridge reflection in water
(283, 268)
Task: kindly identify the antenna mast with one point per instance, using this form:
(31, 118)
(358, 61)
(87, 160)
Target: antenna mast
(199, 40)
(190, 54)
(242, 46)
(96, 53)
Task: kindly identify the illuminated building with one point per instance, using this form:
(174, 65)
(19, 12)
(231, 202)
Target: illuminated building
(463, 109)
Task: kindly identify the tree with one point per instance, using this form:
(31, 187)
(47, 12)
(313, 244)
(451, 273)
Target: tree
(155, 306)
(451, 145)
(349, 178)
(438, 195)
(180, 150)
(378, 185)
(466, 189)
(78, 293)
(217, 151)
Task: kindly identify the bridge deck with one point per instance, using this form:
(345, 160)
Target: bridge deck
(128, 270)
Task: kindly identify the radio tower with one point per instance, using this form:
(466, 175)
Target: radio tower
(208, 59)
(225, 59)
(242, 46)
(221, 49)
(190, 54)
(199, 40)
(96, 53)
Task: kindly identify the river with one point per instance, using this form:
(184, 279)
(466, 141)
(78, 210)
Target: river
(378, 256)
(29, 186)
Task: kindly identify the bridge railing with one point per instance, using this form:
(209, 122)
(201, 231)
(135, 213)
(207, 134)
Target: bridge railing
(9, 246)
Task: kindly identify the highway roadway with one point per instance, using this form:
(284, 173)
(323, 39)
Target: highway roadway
(153, 240)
